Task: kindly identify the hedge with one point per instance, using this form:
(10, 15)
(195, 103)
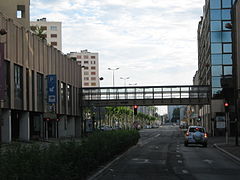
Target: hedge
(68, 161)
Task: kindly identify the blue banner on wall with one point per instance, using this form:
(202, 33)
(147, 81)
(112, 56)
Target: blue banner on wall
(52, 89)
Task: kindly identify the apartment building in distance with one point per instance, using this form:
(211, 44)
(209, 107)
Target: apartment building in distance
(90, 64)
(52, 30)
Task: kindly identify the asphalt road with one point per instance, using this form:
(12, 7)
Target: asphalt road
(160, 154)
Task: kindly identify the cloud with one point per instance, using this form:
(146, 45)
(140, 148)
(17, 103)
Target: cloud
(152, 41)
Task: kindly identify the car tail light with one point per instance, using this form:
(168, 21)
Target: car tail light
(205, 135)
(187, 134)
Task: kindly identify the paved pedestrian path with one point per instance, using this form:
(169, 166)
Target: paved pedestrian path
(230, 149)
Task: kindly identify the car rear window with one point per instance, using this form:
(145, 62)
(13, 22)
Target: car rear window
(196, 129)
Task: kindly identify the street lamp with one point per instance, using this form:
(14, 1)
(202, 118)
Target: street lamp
(125, 79)
(113, 69)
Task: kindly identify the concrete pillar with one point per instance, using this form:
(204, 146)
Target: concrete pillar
(6, 132)
(62, 127)
(70, 127)
(24, 125)
(78, 128)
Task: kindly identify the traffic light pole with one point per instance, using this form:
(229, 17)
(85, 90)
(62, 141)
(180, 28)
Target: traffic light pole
(227, 127)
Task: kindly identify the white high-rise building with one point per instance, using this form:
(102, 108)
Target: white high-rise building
(53, 31)
(90, 64)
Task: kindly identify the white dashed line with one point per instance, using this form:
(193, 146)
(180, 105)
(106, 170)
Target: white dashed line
(185, 171)
(180, 161)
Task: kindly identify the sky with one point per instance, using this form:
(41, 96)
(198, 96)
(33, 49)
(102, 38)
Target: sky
(153, 42)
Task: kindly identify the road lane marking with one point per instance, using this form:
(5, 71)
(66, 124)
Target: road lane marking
(208, 161)
(178, 156)
(157, 135)
(185, 171)
(180, 161)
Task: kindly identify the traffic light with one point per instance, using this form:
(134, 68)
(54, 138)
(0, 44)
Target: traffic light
(135, 109)
(226, 106)
(199, 118)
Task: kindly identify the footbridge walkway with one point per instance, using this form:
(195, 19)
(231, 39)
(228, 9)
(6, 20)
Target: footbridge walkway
(146, 96)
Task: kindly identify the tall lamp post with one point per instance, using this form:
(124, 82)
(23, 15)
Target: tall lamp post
(125, 79)
(113, 69)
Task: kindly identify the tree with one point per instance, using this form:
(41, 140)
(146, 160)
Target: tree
(40, 33)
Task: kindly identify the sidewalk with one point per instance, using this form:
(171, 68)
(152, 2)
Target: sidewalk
(230, 149)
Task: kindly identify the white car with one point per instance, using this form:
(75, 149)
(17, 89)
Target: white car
(196, 135)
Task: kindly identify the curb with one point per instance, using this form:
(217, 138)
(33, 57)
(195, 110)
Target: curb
(98, 173)
(227, 153)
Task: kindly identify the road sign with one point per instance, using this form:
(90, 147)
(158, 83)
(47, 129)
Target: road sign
(52, 89)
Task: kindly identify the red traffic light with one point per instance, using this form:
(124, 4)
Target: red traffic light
(135, 106)
(226, 104)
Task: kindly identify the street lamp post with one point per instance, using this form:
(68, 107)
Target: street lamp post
(113, 69)
(125, 79)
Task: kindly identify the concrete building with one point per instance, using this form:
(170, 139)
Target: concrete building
(53, 31)
(171, 110)
(39, 86)
(18, 10)
(215, 63)
(89, 62)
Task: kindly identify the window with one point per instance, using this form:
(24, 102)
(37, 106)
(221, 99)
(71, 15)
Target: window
(93, 67)
(86, 84)
(216, 59)
(86, 73)
(44, 28)
(85, 57)
(92, 57)
(217, 71)
(86, 78)
(227, 48)
(226, 14)
(216, 48)
(40, 91)
(79, 57)
(93, 84)
(69, 98)
(227, 70)
(33, 28)
(93, 73)
(93, 78)
(215, 4)
(223, 25)
(54, 43)
(93, 62)
(215, 14)
(20, 11)
(226, 4)
(216, 82)
(227, 58)
(53, 28)
(18, 86)
(227, 36)
(63, 96)
(53, 35)
(216, 36)
(216, 26)
(85, 67)
(85, 62)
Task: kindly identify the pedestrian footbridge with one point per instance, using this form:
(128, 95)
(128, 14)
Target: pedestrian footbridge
(146, 96)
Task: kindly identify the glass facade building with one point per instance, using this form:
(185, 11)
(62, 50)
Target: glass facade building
(215, 44)
(215, 63)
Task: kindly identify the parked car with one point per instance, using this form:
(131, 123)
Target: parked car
(106, 128)
(196, 135)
